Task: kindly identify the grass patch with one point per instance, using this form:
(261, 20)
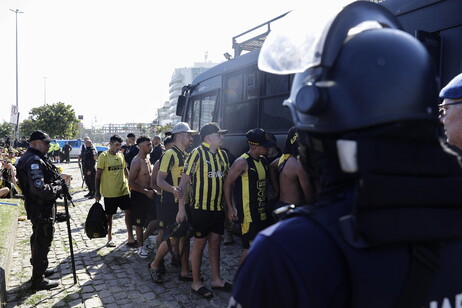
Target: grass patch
(35, 299)
(8, 214)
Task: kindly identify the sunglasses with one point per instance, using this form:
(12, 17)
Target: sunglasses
(442, 107)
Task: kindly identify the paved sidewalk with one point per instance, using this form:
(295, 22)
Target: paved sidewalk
(107, 277)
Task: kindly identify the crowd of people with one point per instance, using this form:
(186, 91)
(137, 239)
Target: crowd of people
(181, 192)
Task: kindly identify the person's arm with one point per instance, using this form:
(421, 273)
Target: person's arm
(184, 182)
(274, 176)
(153, 182)
(238, 168)
(13, 175)
(99, 172)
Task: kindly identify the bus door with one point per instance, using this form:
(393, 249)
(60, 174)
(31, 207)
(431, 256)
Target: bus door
(201, 109)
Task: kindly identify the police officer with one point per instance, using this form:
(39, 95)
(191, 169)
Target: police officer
(386, 229)
(41, 187)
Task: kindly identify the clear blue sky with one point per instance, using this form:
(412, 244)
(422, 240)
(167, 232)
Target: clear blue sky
(111, 59)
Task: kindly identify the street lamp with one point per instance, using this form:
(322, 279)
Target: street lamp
(44, 90)
(17, 98)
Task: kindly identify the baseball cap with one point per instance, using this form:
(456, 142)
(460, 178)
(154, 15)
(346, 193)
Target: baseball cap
(182, 127)
(39, 135)
(211, 128)
(258, 136)
(453, 90)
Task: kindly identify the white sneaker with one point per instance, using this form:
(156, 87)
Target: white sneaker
(148, 246)
(142, 253)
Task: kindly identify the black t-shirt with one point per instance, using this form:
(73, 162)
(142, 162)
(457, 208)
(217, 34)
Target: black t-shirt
(130, 153)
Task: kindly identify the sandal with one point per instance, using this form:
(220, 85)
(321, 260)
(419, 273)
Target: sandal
(156, 275)
(227, 287)
(110, 244)
(203, 292)
(187, 277)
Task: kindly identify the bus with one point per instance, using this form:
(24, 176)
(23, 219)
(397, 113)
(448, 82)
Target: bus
(238, 96)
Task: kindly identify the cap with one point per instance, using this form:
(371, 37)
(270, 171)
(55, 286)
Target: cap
(258, 136)
(453, 90)
(39, 135)
(211, 128)
(182, 127)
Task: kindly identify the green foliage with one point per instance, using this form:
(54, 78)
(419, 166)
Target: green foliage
(162, 129)
(58, 120)
(6, 129)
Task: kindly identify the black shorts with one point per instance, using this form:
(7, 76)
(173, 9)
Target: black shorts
(250, 231)
(159, 212)
(140, 205)
(111, 204)
(205, 222)
(169, 211)
(152, 211)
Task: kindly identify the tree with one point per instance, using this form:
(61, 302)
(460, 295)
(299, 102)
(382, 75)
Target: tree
(5, 129)
(58, 120)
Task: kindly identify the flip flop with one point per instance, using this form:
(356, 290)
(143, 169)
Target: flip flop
(156, 275)
(187, 277)
(203, 292)
(227, 287)
(110, 244)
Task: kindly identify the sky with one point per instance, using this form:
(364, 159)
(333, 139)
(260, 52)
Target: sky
(112, 60)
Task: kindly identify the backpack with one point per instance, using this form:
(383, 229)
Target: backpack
(96, 222)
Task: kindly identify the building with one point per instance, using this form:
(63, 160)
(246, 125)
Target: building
(180, 78)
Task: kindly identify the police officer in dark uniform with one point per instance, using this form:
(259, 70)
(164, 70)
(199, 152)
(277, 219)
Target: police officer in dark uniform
(41, 187)
(89, 169)
(386, 229)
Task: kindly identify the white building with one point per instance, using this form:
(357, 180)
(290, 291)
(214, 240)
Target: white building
(180, 78)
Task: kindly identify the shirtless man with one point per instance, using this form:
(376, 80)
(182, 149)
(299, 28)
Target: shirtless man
(294, 182)
(142, 196)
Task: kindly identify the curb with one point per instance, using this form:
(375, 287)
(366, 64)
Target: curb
(6, 258)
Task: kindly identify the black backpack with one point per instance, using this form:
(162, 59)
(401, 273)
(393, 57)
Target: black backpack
(96, 222)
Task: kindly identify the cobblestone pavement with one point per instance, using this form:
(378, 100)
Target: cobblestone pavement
(107, 277)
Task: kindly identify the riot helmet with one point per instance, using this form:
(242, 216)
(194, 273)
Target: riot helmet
(368, 73)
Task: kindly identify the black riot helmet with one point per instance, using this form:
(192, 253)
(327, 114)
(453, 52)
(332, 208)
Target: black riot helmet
(377, 76)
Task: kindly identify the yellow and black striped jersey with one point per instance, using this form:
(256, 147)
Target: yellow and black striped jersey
(172, 162)
(207, 172)
(251, 190)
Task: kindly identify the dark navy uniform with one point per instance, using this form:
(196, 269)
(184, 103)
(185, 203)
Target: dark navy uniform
(37, 182)
(89, 165)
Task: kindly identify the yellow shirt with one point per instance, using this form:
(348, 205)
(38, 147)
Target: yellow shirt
(113, 182)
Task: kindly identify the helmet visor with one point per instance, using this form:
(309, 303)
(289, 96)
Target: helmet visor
(297, 42)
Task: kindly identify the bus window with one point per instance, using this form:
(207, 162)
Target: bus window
(252, 85)
(202, 110)
(240, 117)
(233, 89)
(274, 116)
(277, 84)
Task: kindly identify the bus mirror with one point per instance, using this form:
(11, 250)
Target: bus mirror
(180, 105)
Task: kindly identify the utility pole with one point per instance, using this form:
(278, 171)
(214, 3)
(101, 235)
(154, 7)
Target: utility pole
(17, 91)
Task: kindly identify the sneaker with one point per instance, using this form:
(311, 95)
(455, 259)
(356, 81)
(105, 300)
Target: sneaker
(149, 246)
(142, 253)
(44, 284)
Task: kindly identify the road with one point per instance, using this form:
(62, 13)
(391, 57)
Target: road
(107, 277)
